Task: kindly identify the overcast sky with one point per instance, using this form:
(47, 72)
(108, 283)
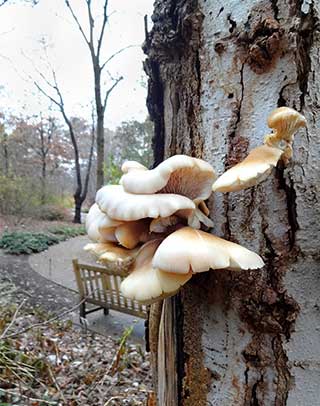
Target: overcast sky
(23, 27)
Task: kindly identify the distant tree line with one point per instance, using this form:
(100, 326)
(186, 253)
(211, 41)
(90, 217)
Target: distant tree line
(37, 164)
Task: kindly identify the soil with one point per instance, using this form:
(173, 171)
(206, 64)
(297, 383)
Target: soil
(95, 368)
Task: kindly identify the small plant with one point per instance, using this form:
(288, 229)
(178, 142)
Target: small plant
(18, 243)
(51, 213)
(66, 232)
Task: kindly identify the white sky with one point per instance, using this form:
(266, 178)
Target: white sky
(21, 29)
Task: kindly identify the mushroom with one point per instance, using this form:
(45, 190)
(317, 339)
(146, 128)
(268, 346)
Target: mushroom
(188, 249)
(147, 284)
(285, 122)
(110, 252)
(179, 174)
(163, 224)
(123, 206)
(131, 233)
(132, 165)
(258, 164)
(252, 170)
(99, 226)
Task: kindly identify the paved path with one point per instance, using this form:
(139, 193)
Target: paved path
(55, 265)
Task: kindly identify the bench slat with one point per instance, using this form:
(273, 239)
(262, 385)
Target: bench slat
(101, 286)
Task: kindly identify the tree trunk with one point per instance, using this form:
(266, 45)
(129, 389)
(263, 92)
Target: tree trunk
(6, 157)
(100, 123)
(216, 72)
(77, 209)
(43, 179)
(100, 151)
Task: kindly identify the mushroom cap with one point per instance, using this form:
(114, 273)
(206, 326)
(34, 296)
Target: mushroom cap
(147, 284)
(123, 206)
(99, 226)
(286, 120)
(131, 233)
(110, 252)
(252, 170)
(180, 174)
(128, 166)
(188, 249)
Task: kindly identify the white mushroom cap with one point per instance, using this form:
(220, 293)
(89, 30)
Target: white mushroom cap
(252, 170)
(99, 226)
(120, 205)
(188, 249)
(179, 174)
(128, 166)
(147, 284)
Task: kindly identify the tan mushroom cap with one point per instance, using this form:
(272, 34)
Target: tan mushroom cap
(130, 234)
(285, 121)
(180, 174)
(147, 284)
(123, 206)
(252, 170)
(110, 252)
(188, 249)
(99, 226)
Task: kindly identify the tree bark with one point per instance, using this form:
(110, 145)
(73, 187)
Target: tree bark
(247, 338)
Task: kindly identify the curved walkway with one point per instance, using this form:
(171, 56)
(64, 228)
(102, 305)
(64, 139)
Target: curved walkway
(48, 281)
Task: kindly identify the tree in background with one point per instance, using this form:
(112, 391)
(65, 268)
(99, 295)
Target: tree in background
(131, 141)
(95, 44)
(4, 147)
(40, 139)
(82, 180)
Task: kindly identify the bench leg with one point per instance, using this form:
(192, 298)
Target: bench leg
(105, 311)
(82, 311)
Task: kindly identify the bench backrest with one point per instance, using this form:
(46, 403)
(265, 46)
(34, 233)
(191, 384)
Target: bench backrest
(101, 286)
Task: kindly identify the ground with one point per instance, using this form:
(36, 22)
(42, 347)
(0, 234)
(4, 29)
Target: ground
(94, 366)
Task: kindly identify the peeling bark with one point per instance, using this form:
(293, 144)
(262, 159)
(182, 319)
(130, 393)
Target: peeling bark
(249, 338)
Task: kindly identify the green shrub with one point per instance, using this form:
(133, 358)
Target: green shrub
(23, 242)
(26, 243)
(66, 232)
(17, 196)
(51, 213)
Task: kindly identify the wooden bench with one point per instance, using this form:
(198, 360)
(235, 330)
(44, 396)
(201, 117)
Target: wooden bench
(101, 286)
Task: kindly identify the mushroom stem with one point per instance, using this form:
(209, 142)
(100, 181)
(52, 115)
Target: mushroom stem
(285, 122)
(198, 217)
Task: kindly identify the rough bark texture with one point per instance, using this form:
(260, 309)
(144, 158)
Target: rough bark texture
(216, 71)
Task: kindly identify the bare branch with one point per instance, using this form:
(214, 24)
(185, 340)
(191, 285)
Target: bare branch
(109, 91)
(47, 95)
(37, 401)
(115, 54)
(45, 323)
(91, 27)
(77, 22)
(12, 320)
(104, 22)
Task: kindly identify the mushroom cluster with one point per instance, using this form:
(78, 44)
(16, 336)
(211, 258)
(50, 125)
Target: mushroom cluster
(150, 224)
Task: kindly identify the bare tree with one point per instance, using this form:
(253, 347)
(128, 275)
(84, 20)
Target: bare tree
(42, 146)
(81, 185)
(101, 97)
